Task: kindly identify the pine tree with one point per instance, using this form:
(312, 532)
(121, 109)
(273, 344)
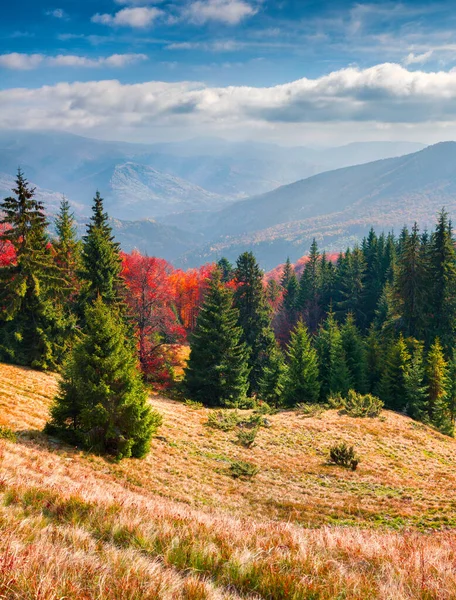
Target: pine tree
(302, 377)
(351, 285)
(393, 390)
(101, 261)
(372, 248)
(451, 386)
(217, 371)
(67, 251)
(290, 285)
(30, 324)
(226, 269)
(443, 269)
(272, 382)
(310, 289)
(334, 374)
(254, 317)
(415, 389)
(355, 354)
(374, 360)
(436, 380)
(102, 403)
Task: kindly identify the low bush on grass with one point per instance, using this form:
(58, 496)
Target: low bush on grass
(344, 456)
(246, 437)
(240, 469)
(8, 434)
(225, 420)
(361, 405)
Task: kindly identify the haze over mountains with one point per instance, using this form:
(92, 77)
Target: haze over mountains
(195, 201)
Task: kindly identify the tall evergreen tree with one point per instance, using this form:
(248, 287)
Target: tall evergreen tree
(443, 296)
(451, 387)
(415, 389)
(334, 374)
(290, 285)
(273, 380)
(374, 360)
(30, 325)
(101, 261)
(217, 371)
(310, 289)
(355, 354)
(436, 380)
(351, 285)
(226, 269)
(302, 377)
(393, 390)
(102, 403)
(67, 251)
(254, 317)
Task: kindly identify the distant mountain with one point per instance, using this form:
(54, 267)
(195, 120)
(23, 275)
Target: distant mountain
(337, 207)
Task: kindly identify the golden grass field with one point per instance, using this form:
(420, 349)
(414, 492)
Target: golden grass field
(176, 525)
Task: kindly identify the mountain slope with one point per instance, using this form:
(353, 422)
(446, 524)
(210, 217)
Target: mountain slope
(337, 207)
(176, 526)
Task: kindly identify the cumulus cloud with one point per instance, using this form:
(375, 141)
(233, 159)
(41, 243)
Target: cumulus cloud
(382, 95)
(137, 17)
(17, 61)
(230, 12)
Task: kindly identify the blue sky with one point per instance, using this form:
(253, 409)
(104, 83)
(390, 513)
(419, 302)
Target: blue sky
(133, 69)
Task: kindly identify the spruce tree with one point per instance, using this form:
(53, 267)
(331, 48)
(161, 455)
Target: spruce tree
(302, 377)
(355, 354)
(415, 389)
(393, 389)
(351, 286)
(102, 403)
(217, 371)
(30, 323)
(101, 261)
(226, 269)
(254, 317)
(334, 374)
(374, 360)
(67, 251)
(451, 386)
(436, 380)
(310, 289)
(272, 382)
(290, 285)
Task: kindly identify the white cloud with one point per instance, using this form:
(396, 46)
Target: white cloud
(137, 17)
(58, 13)
(381, 98)
(17, 61)
(418, 58)
(230, 12)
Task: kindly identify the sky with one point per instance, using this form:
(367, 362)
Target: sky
(307, 72)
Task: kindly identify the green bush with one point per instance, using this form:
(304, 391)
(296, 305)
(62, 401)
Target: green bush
(243, 470)
(226, 420)
(310, 410)
(194, 404)
(8, 434)
(344, 456)
(361, 405)
(246, 437)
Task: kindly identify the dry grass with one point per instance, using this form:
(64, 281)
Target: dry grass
(177, 525)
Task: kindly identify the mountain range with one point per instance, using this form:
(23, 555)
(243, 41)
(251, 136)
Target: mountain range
(197, 200)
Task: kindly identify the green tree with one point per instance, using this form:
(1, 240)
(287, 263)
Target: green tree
(451, 386)
(254, 317)
(355, 354)
(226, 269)
(351, 275)
(272, 382)
(67, 251)
(334, 374)
(415, 389)
(393, 390)
(310, 289)
(290, 285)
(217, 371)
(436, 380)
(30, 324)
(374, 360)
(302, 377)
(102, 403)
(101, 261)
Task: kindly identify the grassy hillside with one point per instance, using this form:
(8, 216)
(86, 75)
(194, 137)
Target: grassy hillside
(177, 525)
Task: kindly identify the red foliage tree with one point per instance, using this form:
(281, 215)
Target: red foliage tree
(189, 288)
(7, 253)
(151, 303)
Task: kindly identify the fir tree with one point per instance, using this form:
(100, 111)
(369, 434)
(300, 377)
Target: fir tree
(302, 377)
(393, 390)
(290, 285)
(436, 380)
(355, 354)
(217, 371)
(334, 374)
(102, 403)
(374, 360)
(451, 386)
(273, 380)
(415, 389)
(310, 289)
(101, 261)
(226, 269)
(30, 324)
(67, 251)
(351, 285)
(254, 317)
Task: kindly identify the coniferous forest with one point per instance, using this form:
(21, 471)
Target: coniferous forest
(375, 324)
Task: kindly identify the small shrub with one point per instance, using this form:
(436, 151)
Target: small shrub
(8, 434)
(336, 401)
(240, 469)
(194, 404)
(361, 405)
(226, 420)
(263, 408)
(246, 437)
(344, 456)
(310, 410)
